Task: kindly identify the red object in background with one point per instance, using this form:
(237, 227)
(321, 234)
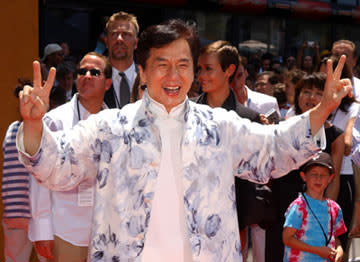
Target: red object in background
(164, 2)
(248, 6)
(311, 9)
(356, 14)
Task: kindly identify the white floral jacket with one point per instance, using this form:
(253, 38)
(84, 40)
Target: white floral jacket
(121, 150)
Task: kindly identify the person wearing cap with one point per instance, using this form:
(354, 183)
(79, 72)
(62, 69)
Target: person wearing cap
(53, 55)
(313, 222)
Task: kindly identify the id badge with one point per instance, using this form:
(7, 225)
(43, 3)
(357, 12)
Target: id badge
(85, 194)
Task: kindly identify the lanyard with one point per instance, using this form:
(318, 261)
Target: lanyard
(327, 240)
(78, 108)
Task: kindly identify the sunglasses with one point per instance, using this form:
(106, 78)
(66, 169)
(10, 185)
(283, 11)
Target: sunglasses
(93, 71)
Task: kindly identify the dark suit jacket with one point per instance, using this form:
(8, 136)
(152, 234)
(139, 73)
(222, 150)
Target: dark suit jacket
(240, 109)
(109, 97)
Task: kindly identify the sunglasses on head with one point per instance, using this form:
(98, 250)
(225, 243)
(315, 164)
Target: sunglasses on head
(93, 71)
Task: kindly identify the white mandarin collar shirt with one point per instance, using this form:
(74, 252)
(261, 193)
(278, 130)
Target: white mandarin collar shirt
(167, 238)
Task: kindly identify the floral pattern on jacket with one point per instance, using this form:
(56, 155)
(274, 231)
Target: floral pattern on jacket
(122, 149)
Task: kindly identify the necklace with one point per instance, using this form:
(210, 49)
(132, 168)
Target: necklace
(327, 239)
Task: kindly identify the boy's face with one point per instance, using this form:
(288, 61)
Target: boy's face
(317, 178)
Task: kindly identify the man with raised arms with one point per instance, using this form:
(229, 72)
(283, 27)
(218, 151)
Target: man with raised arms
(164, 165)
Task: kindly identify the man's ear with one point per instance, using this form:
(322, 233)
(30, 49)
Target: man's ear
(142, 74)
(108, 82)
(302, 174)
(331, 178)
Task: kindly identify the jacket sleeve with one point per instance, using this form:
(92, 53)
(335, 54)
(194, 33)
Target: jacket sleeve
(271, 151)
(64, 159)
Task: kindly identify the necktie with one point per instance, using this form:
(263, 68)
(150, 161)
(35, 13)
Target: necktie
(124, 90)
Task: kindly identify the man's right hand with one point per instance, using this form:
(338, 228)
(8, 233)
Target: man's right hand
(44, 248)
(34, 103)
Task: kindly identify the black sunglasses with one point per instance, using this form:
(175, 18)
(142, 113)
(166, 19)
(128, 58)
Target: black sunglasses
(93, 71)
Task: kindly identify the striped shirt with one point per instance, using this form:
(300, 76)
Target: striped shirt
(15, 179)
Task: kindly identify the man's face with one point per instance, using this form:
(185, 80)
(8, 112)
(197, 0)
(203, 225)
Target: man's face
(56, 58)
(89, 86)
(66, 82)
(239, 78)
(308, 62)
(345, 49)
(266, 65)
(262, 85)
(290, 62)
(169, 73)
(121, 40)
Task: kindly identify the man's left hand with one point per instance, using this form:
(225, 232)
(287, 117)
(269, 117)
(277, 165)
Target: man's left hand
(335, 88)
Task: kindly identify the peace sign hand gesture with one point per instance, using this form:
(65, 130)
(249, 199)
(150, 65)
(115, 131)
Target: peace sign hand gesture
(335, 88)
(34, 101)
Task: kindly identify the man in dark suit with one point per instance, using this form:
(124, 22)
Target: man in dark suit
(121, 40)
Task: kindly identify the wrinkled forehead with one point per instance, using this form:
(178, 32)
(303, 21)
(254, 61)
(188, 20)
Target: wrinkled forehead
(166, 52)
(122, 25)
(91, 61)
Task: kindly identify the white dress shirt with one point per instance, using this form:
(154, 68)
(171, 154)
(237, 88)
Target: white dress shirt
(260, 102)
(130, 74)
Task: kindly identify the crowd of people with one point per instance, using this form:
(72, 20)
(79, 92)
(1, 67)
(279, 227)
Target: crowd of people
(183, 153)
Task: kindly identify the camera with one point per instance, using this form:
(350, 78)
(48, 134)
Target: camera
(272, 116)
(310, 43)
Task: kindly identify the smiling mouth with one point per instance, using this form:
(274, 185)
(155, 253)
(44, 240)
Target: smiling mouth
(172, 90)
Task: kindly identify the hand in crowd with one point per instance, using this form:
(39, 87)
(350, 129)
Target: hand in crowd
(44, 248)
(264, 120)
(335, 88)
(34, 101)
